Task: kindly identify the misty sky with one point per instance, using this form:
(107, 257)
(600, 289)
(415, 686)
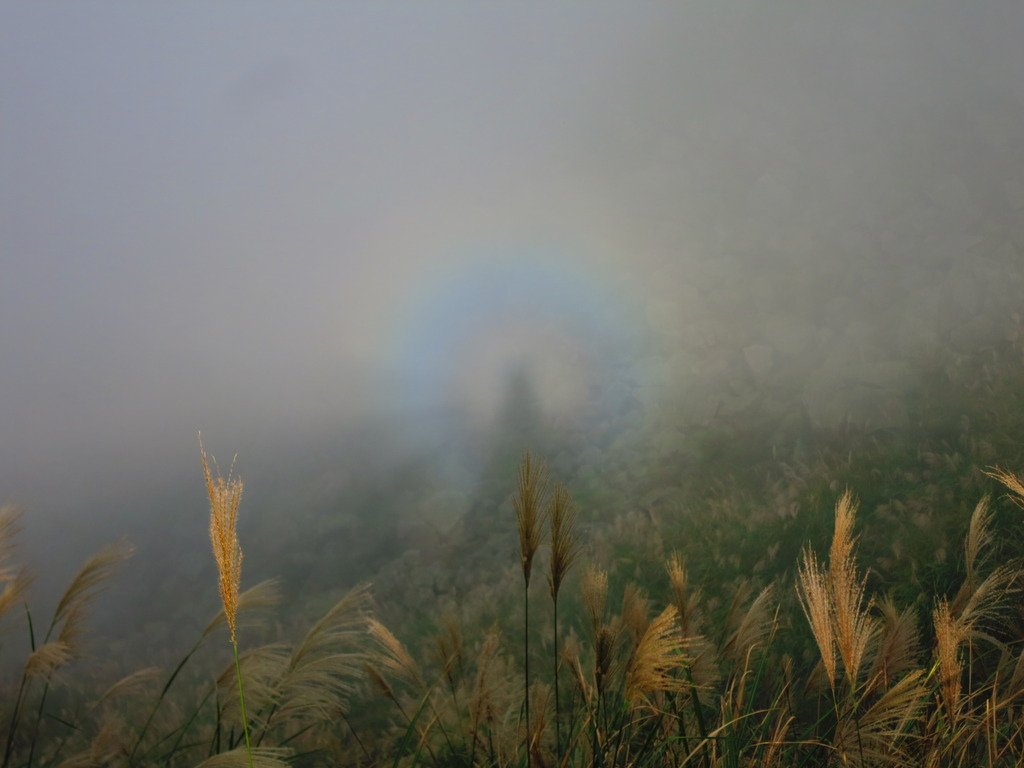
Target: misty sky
(266, 219)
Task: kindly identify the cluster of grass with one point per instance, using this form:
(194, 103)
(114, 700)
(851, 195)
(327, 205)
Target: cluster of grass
(670, 685)
(819, 670)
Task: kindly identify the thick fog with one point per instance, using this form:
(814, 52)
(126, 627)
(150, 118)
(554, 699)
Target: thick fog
(339, 238)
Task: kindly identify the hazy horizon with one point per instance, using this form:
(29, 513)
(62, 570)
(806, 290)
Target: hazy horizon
(348, 225)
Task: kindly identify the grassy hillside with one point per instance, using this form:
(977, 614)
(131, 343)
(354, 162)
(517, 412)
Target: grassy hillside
(713, 613)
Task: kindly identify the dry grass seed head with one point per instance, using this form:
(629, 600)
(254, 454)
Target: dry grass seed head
(393, 656)
(136, 683)
(450, 649)
(571, 658)
(979, 537)
(898, 643)
(14, 590)
(854, 628)
(528, 502)
(595, 595)
(948, 637)
(14, 581)
(540, 706)
(10, 526)
(685, 599)
(325, 666)
(225, 494)
(89, 581)
(702, 657)
(47, 659)
(495, 705)
(982, 609)
(1013, 483)
(657, 655)
(605, 646)
(482, 704)
(843, 540)
(635, 610)
(813, 594)
(564, 544)
(756, 626)
(774, 748)
(879, 735)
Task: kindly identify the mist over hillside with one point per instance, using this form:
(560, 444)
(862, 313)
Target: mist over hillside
(378, 253)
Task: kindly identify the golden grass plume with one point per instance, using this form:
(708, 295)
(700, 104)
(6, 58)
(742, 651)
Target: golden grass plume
(529, 505)
(392, 655)
(657, 655)
(564, 543)
(225, 494)
(834, 599)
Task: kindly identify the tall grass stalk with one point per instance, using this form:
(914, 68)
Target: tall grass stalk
(225, 495)
(528, 503)
(564, 548)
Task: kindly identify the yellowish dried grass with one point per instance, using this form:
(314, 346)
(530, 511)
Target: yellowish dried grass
(898, 644)
(47, 659)
(882, 735)
(10, 526)
(813, 593)
(225, 494)
(755, 627)
(324, 667)
(564, 543)
(948, 637)
(1014, 483)
(834, 600)
(854, 625)
(529, 505)
(658, 654)
(635, 615)
(594, 588)
(393, 656)
(132, 684)
(88, 582)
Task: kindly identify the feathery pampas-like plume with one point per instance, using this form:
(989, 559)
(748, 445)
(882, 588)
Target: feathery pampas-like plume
(657, 654)
(14, 581)
(834, 599)
(528, 502)
(564, 544)
(225, 495)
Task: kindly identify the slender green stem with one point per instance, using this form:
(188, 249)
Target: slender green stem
(558, 725)
(526, 669)
(241, 701)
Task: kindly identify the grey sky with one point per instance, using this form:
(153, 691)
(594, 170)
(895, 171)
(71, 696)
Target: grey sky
(229, 215)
